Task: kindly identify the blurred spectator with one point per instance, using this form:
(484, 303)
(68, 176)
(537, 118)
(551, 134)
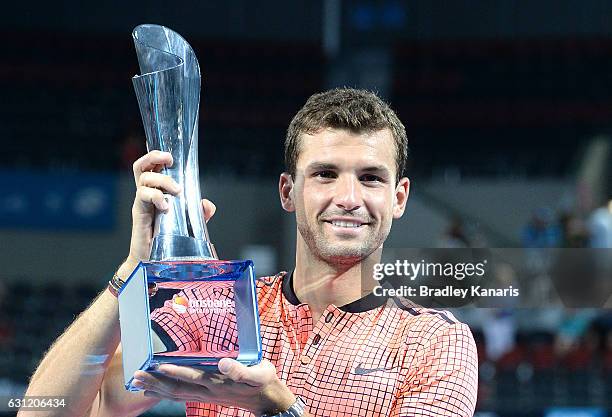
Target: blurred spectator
(455, 236)
(499, 324)
(542, 231)
(575, 233)
(583, 353)
(572, 330)
(600, 226)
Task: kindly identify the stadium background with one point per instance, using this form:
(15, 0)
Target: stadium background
(507, 107)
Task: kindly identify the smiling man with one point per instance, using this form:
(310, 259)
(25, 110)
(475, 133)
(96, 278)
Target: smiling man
(331, 347)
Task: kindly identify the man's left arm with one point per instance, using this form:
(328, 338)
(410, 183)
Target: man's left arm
(443, 380)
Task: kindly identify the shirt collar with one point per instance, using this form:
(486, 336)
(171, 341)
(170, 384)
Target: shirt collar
(365, 303)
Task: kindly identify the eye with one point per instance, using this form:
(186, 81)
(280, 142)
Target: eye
(370, 178)
(325, 174)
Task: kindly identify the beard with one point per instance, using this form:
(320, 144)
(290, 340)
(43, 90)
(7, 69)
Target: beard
(341, 251)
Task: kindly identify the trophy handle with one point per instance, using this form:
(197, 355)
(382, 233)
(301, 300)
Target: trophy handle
(168, 93)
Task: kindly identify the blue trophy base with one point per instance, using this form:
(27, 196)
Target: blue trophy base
(189, 313)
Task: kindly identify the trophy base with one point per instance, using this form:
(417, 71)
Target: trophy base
(190, 313)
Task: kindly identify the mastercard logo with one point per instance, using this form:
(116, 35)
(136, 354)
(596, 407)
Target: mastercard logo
(180, 304)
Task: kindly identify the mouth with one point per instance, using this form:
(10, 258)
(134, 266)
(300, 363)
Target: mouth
(346, 223)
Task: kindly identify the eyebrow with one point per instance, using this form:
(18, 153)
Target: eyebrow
(316, 166)
(378, 168)
(322, 166)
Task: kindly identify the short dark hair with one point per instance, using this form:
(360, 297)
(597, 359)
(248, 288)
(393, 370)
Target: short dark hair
(357, 111)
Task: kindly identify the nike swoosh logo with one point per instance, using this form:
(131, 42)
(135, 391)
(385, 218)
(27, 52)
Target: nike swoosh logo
(359, 370)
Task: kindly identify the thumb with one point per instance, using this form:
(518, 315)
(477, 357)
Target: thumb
(208, 208)
(238, 372)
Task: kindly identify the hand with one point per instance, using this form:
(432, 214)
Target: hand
(150, 188)
(255, 388)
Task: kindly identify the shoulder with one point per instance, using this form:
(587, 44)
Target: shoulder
(426, 326)
(440, 369)
(270, 282)
(269, 287)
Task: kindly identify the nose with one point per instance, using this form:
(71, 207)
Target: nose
(348, 193)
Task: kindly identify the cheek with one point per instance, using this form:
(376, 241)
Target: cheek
(380, 205)
(314, 202)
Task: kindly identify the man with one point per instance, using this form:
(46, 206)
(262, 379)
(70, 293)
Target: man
(328, 343)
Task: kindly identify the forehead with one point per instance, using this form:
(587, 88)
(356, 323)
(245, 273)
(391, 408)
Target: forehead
(339, 146)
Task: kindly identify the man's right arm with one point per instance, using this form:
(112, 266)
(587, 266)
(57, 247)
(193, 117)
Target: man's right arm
(84, 365)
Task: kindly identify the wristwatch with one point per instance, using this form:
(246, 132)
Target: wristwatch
(296, 410)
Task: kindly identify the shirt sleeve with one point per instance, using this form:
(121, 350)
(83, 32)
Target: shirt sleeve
(443, 376)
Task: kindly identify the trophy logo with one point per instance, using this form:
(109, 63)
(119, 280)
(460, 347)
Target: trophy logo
(180, 304)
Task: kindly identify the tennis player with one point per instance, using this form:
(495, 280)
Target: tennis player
(331, 347)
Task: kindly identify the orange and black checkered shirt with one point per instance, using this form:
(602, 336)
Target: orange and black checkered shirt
(372, 357)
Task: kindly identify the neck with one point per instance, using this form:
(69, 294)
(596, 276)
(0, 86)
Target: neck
(319, 283)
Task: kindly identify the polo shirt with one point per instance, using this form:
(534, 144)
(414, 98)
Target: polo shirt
(373, 357)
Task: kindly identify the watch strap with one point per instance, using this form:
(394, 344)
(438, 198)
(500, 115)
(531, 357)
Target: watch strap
(297, 409)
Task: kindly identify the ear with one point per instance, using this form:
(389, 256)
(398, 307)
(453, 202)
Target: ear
(401, 197)
(285, 191)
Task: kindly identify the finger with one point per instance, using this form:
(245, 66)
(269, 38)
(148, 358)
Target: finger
(158, 383)
(209, 380)
(191, 375)
(152, 196)
(240, 373)
(160, 181)
(150, 383)
(209, 209)
(169, 387)
(152, 161)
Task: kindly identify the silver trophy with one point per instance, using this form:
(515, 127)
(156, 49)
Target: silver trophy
(173, 307)
(168, 93)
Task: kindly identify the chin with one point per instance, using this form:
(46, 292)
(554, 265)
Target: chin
(344, 256)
